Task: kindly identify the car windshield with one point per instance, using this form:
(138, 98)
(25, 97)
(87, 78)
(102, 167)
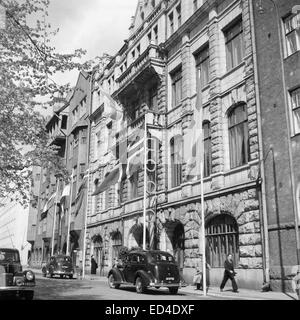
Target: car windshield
(162, 257)
(9, 256)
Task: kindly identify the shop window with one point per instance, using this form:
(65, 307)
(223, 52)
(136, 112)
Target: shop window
(221, 240)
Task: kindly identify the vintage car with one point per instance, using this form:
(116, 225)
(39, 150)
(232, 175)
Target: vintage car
(147, 269)
(13, 280)
(59, 265)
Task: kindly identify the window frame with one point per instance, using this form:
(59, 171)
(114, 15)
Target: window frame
(295, 109)
(176, 86)
(234, 128)
(221, 232)
(293, 31)
(232, 36)
(203, 65)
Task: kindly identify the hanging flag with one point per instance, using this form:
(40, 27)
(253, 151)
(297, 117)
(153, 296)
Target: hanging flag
(80, 195)
(193, 146)
(47, 206)
(114, 110)
(65, 193)
(110, 179)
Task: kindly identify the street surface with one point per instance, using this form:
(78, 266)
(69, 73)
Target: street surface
(74, 289)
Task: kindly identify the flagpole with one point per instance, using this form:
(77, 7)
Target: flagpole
(203, 228)
(85, 225)
(54, 220)
(145, 185)
(69, 213)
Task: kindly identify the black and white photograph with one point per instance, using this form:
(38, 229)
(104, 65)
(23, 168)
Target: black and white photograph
(150, 152)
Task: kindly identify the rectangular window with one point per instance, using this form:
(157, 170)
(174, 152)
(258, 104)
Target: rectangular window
(74, 187)
(133, 54)
(155, 30)
(234, 45)
(64, 122)
(138, 49)
(292, 33)
(149, 37)
(202, 64)
(83, 136)
(176, 80)
(295, 102)
(153, 102)
(109, 135)
(178, 12)
(171, 23)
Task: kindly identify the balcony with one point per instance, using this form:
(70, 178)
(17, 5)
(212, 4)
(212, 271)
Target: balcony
(147, 65)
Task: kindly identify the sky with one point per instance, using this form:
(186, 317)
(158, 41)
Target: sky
(98, 26)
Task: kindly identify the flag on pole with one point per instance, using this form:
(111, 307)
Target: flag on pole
(80, 195)
(114, 110)
(47, 206)
(193, 140)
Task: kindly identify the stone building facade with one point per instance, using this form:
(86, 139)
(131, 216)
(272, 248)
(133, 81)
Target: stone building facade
(153, 77)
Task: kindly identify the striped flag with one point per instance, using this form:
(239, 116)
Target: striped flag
(193, 140)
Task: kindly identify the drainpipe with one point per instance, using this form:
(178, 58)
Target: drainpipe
(262, 191)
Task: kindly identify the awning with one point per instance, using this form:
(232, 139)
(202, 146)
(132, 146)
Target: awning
(111, 179)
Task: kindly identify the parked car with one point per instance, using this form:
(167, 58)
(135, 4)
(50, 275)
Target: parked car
(147, 269)
(59, 265)
(13, 280)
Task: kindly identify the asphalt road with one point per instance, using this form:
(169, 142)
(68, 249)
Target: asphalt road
(74, 289)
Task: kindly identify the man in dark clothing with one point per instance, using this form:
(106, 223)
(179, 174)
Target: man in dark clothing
(229, 274)
(94, 265)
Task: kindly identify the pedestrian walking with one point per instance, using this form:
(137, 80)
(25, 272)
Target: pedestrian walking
(229, 273)
(94, 265)
(197, 279)
(296, 284)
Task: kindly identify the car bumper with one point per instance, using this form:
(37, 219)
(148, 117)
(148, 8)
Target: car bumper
(66, 273)
(166, 284)
(16, 289)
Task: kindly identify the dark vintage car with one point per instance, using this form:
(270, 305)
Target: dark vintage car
(59, 265)
(147, 269)
(13, 280)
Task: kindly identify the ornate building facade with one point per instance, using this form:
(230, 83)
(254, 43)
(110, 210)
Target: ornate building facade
(153, 77)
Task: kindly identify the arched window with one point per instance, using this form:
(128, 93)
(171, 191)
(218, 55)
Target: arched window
(176, 146)
(153, 3)
(207, 148)
(238, 136)
(116, 244)
(221, 239)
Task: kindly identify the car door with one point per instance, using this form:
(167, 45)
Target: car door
(129, 267)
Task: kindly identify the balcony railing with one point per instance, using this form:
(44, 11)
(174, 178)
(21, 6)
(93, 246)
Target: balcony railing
(150, 57)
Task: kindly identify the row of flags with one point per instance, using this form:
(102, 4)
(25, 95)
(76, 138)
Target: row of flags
(131, 151)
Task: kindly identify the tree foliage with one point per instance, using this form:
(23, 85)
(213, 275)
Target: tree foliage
(27, 64)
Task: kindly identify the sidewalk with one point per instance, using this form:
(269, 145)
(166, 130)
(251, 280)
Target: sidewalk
(244, 294)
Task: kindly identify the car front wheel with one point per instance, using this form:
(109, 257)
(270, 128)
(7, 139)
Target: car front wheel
(139, 285)
(173, 290)
(111, 282)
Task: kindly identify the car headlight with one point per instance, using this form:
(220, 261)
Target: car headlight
(29, 275)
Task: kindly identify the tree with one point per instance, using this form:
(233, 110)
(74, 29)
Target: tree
(27, 64)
